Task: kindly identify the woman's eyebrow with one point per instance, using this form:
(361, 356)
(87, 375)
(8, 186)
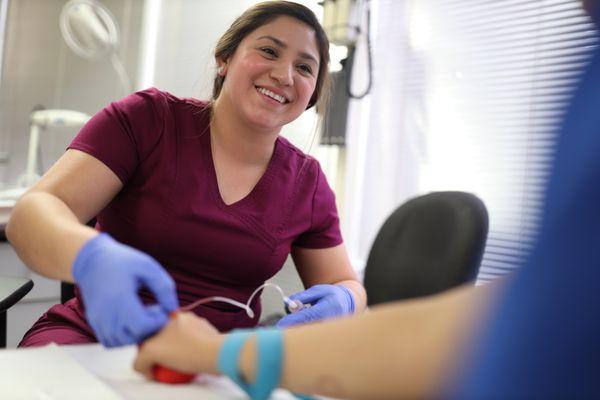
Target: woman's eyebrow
(281, 44)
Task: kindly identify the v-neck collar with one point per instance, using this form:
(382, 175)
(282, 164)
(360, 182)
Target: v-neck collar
(259, 187)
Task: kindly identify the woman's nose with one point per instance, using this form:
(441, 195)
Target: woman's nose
(282, 73)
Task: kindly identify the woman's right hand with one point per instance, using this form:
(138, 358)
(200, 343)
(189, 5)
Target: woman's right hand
(109, 275)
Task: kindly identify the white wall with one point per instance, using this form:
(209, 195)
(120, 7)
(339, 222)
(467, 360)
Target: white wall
(39, 69)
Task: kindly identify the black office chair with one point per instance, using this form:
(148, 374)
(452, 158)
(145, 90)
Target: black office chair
(67, 291)
(11, 291)
(429, 244)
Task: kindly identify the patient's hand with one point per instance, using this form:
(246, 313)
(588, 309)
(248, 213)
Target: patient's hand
(187, 344)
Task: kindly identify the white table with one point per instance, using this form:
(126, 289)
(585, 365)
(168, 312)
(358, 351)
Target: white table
(93, 372)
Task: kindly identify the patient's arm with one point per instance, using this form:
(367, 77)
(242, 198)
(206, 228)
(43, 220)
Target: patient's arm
(404, 349)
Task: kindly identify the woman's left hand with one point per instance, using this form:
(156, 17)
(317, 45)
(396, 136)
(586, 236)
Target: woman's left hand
(186, 344)
(327, 301)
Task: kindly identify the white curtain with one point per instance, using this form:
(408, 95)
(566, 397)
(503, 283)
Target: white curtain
(467, 96)
(380, 153)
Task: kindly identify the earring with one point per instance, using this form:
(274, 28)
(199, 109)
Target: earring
(221, 70)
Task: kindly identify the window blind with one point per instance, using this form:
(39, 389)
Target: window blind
(486, 83)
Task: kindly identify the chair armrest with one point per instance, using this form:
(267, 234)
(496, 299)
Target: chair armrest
(12, 290)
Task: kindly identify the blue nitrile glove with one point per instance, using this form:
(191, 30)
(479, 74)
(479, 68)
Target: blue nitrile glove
(109, 275)
(326, 301)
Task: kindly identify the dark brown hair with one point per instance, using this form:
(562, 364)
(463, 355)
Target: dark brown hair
(263, 13)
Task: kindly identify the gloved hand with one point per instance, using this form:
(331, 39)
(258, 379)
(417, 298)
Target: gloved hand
(326, 301)
(109, 275)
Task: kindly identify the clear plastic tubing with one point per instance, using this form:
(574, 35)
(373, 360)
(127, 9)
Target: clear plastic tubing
(293, 305)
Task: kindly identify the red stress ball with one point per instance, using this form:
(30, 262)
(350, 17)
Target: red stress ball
(166, 375)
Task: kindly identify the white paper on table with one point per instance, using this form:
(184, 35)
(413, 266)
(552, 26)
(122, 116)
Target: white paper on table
(48, 373)
(115, 367)
(94, 372)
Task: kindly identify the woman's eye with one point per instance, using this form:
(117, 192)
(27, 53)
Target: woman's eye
(305, 68)
(269, 51)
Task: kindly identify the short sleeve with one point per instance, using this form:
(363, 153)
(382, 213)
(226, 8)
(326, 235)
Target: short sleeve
(123, 134)
(324, 229)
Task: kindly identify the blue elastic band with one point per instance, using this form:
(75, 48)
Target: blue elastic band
(269, 345)
(229, 357)
(270, 351)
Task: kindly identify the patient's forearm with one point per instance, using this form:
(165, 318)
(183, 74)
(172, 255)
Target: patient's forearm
(402, 350)
(46, 234)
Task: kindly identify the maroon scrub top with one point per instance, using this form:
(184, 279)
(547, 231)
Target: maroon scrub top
(170, 207)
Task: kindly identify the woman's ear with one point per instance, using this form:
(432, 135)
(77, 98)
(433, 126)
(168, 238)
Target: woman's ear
(221, 67)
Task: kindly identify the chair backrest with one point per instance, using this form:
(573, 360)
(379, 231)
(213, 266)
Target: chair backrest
(429, 244)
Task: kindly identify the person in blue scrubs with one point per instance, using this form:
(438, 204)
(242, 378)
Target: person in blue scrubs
(543, 339)
(535, 335)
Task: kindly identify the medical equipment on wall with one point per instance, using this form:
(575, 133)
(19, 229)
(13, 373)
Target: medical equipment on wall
(341, 21)
(345, 21)
(291, 306)
(91, 32)
(40, 121)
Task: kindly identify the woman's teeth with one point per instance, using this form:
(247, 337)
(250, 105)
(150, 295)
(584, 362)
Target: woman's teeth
(272, 95)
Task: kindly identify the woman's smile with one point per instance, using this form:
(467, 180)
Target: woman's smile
(271, 96)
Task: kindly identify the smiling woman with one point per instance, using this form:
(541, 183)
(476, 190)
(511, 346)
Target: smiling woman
(193, 198)
(262, 14)
(270, 79)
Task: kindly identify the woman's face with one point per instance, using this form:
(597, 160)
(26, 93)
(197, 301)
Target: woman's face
(272, 74)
